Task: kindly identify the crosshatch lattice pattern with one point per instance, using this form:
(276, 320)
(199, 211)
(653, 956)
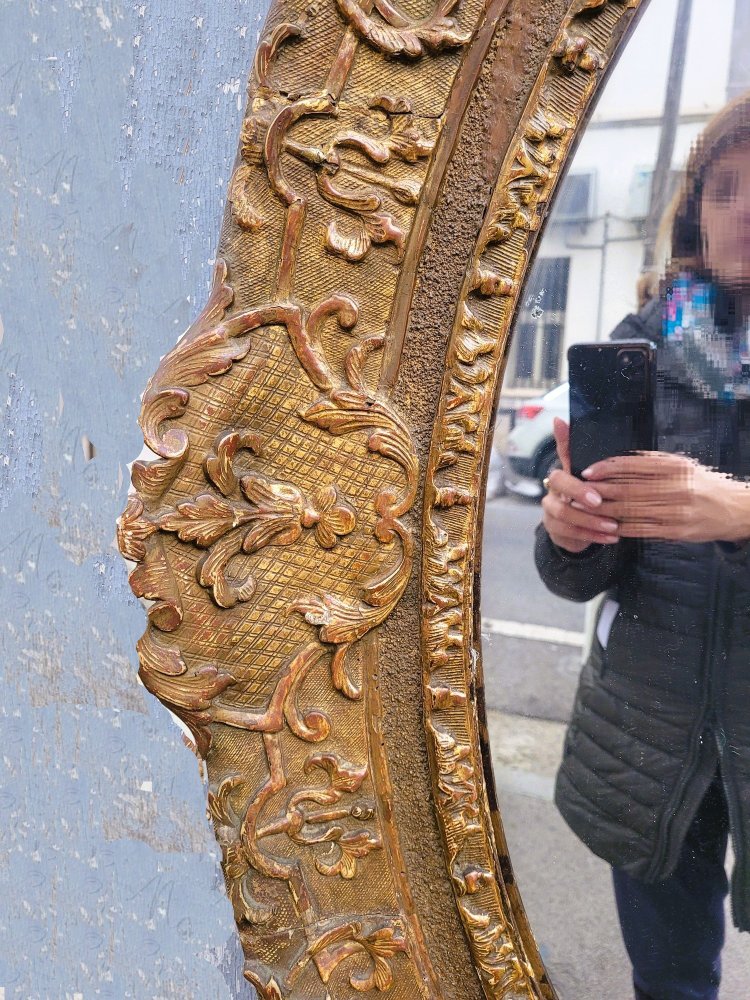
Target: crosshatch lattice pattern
(254, 639)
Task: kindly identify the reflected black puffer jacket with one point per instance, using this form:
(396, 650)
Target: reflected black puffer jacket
(668, 699)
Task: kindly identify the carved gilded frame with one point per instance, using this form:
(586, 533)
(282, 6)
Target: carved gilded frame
(305, 523)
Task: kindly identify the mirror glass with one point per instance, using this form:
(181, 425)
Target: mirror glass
(616, 596)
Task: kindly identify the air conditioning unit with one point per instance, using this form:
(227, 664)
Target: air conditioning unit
(639, 192)
(575, 200)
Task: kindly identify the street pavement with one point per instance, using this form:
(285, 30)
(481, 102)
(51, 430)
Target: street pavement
(532, 651)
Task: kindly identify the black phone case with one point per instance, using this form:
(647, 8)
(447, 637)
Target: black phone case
(612, 392)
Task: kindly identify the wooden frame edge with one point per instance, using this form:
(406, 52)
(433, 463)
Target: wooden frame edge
(501, 941)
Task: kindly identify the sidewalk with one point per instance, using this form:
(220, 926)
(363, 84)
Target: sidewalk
(566, 889)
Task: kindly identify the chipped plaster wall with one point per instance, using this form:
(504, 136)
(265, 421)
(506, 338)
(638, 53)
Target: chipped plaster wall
(118, 126)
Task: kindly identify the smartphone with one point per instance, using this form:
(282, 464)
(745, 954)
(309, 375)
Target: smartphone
(612, 393)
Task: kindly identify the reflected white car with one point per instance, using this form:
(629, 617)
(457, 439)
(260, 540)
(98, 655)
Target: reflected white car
(531, 443)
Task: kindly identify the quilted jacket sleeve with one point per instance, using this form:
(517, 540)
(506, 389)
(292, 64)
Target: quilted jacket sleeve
(580, 576)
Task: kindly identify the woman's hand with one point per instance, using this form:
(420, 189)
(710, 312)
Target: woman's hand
(671, 497)
(572, 509)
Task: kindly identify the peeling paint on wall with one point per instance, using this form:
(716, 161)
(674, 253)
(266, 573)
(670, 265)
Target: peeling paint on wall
(118, 128)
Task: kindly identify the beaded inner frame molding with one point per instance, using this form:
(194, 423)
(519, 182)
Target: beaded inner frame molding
(306, 527)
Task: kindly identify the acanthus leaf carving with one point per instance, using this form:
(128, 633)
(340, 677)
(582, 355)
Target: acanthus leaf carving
(472, 879)
(133, 530)
(152, 577)
(346, 408)
(269, 46)
(367, 221)
(456, 782)
(208, 348)
(240, 511)
(472, 343)
(342, 179)
(505, 972)
(592, 6)
(270, 991)
(313, 817)
(245, 212)
(188, 692)
(488, 282)
(450, 496)
(218, 464)
(445, 698)
(353, 845)
(370, 228)
(267, 513)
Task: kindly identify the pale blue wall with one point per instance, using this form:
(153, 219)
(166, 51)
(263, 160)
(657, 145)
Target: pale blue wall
(118, 126)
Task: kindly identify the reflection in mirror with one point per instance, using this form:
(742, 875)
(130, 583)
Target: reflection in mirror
(616, 632)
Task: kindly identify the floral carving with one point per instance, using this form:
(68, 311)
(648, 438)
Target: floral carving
(269, 513)
(519, 207)
(584, 6)
(379, 944)
(368, 221)
(227, 823)
(306, 825)
(343, 622)
(396, 34)
(343, 179)
(330, 517)
(312, 817)
(371, 177)
(578, 52)
(457, 786)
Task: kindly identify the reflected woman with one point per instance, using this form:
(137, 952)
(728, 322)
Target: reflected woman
(656, 767)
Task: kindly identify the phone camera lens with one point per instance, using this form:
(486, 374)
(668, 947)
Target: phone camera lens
(631, 365)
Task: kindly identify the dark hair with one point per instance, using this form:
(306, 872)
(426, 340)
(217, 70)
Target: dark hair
(727, 128)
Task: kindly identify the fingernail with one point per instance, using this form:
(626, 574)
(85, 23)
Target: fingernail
(610, 526)
(587, 472)
(593, 498)
(611, 539)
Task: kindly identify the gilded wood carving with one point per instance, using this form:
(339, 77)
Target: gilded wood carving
(275, 520)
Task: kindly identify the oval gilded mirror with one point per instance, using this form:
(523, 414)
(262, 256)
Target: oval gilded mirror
(306, 520)
(613, 658)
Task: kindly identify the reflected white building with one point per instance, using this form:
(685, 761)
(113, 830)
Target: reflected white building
(590, 258)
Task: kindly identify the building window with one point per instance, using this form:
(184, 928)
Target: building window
(536, 351)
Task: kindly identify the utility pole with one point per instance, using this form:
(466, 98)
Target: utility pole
(660, 178)
(602, 247)
(739, 57)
